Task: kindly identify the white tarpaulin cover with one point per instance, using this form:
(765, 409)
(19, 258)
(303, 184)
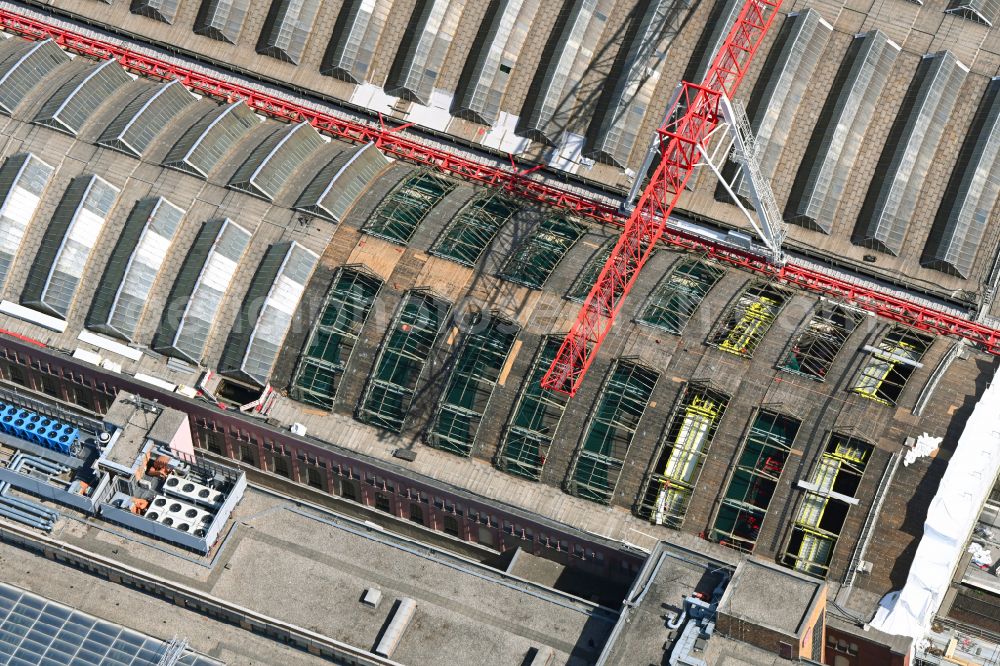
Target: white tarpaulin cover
(951, 516)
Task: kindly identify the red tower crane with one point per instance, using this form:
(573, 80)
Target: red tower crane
(696, 112)
(679, 153)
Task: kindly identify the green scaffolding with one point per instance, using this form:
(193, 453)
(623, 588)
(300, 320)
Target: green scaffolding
(815, 348)
(620, 408)
(890, 365)
(401, 359)
(403, 209)
(471, 231)
(686, 442)
(539, 254)
(824, 507)
(534, 421)
(754, 480)
(345, 310)
(679, 294)
(588, 276)
(471, 385)
(748, 319)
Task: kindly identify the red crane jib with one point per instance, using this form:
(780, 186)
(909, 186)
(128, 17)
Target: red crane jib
(700, 108)
(689, 123)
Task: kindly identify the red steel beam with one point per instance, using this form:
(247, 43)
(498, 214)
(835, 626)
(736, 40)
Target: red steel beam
(690, 123)
(394, 143)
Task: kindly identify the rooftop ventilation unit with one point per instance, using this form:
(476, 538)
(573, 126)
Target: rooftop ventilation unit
(179, 515)
(192, 491)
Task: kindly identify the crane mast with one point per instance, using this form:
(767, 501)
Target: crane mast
(683, 138)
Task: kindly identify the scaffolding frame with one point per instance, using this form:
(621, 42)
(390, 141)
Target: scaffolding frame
(325, 357)
(677, 297)
(401, 359)
(755, 478)
(471, 231)
(889, 366)
(470, 385)
(814, 532)
(584, 282)
(817, 345)
(748, 319)
(693, 423)
(534, 420)
(620, 407)
(533, 261)
(396, 219)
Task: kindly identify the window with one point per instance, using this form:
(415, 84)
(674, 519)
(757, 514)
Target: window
(331, 342)
(401, 360)
(621, 406)
(747, 320)
(824, 506)
(679, 294)
(754, 480)
(399, 214)
(471, 383)
(539, 254)
(817, 345)
(417, 513)
(471, 231)
(890, 365)
(686, 442)
(534, 421)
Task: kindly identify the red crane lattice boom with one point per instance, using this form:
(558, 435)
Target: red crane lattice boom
(689, 124)
(518, 183)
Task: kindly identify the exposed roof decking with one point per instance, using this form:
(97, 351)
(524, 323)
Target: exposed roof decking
(780, 89)
(287, 28)
(202, 147)
(69, 240)
(839, 135)
(483, 85)
(471, 383)
(355, 38)
(22, 65)
(677, 297)
(474, 228)
(972, 192)
(754, 479)
(338, 325)
(423, 50)
(158, 10)
(267, 312)
(69, 108)
(272, 163)
(23, 179)
(534, 420)
(401, 211)
(614, 131)
(533, 260)
(899, 176)
(613, 425)
(197, 293)
(221, 20)
(145, 117)
(551, 102)
(337, 186)
(401, 360)
(127, 282)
